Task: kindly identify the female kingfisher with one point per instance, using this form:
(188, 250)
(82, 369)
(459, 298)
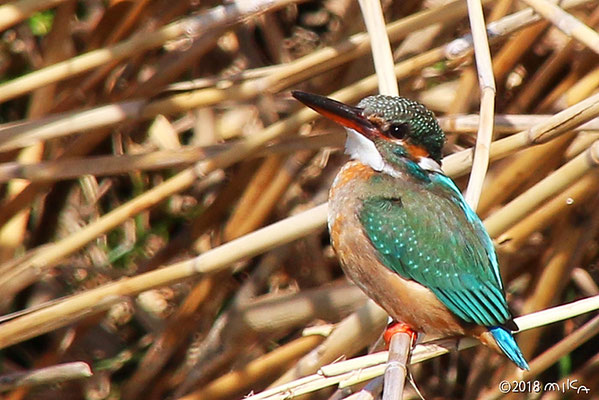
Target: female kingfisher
(404, 233)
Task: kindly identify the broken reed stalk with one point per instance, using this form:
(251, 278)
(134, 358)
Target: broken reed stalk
(484, 137)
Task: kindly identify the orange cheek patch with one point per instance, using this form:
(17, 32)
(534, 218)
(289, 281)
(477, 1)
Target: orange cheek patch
(416, 152)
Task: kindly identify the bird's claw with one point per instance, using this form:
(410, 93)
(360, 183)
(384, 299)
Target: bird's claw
(399, 327)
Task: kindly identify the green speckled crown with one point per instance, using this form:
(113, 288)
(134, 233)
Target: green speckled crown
(424, 129)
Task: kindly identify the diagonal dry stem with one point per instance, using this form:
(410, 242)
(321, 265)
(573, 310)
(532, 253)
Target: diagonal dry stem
(566, 22)
(352, 334)
(514, 238)
(504, 123)
(515, 210)
(552, 355)
(102, 116)
(247, 246)
(15, 12)
(457, 164)
(235, 382)
(195, 25)
(289, 229)
(45, 376)
(346, 373)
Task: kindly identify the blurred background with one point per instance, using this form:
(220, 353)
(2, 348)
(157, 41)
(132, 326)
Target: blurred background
(138, 135)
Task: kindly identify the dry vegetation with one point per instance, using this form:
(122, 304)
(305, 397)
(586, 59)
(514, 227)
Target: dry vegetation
(163, 216)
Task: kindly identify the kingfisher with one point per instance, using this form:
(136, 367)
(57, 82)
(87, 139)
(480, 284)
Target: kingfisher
(403, 231)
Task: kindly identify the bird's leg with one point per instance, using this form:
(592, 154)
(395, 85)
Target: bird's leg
(399, 327)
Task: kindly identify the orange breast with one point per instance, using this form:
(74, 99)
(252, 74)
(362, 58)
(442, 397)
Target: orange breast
(350, 173)
(405, 300)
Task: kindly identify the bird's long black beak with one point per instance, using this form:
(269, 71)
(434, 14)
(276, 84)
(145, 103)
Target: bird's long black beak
(347, 116)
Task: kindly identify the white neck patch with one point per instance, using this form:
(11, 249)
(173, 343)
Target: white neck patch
(428, 164)
(361, 149)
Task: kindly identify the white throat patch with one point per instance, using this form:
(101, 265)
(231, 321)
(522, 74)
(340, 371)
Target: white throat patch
(428, 164)
(361, 149)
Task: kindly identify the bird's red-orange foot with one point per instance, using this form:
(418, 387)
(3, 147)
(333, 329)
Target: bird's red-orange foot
(398, 327)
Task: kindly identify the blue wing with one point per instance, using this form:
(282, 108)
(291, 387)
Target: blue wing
(431, 236)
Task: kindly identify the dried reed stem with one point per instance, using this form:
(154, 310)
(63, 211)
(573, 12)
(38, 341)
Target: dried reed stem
(457, 164)
(75, 121)
(350, 372)
(571, 342)
(484, 66)
(579, 192)
(381, 52)
(549, 357)
(241, 379)
(524, 165)
(113, 165)
(515, 210)
(371, 391)
(19, 135)
(396, 369)
(384, 67)
(15, 12)
(64, 311)
(353, 333)
(357, 45)
(45, 376)
(504, 123)
(566, 22)
(217, 17)
(120, 164)
(294, 227)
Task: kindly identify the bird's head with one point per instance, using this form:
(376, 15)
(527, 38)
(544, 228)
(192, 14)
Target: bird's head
(384, 130)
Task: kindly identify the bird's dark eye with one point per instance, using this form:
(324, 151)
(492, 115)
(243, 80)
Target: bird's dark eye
(398, 131)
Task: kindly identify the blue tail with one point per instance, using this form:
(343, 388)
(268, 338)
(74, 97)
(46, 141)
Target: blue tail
(508, 345)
